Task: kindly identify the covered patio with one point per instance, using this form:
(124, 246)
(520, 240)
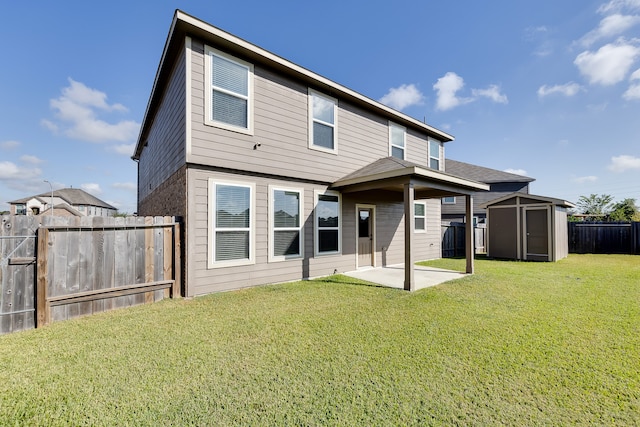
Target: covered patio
(409, 182)
(393, 276)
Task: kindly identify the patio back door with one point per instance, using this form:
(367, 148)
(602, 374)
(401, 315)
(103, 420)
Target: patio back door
(365, 237)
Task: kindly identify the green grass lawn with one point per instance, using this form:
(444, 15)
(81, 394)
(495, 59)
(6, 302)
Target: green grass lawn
(516, 344)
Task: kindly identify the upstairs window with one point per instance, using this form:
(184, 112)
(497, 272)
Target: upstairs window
(21, 209)
(322, 122)
(420, 216)
(327, 230)
(229, 93)
(397, 140)
(434, 154)
(449, 200)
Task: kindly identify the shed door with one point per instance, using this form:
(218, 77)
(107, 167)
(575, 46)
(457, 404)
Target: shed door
(537, 234)
(365, 237)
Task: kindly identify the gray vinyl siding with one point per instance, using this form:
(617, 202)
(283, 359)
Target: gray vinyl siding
(417, 148)
(203, 280)
(389, 236)
(281, 129)
(427, 245)
(164, 152)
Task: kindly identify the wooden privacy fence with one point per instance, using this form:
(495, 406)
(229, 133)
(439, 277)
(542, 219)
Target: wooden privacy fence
(453, 239)
(78, 266)
(604, 237)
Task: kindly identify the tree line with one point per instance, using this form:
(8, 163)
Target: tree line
(601, 207)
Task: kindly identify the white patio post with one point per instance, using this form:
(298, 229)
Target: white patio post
(409, 279)
(469, 234)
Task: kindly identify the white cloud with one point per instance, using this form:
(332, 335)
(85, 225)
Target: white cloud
(401, 97)
(539, 35)
(446, 87)
(516, 171)
(53, 128)
(533, 33)
(128, 186)
(618, 5)
(124, 149)
(609, 65)
(31, 159)
(492, 92)
(91, 188)
(450, 84)
(610, 26)
(623, 163)
(633, 92)
(585, 179)
(9, 145)
(77, 113)
(567, 89)
(9, 170)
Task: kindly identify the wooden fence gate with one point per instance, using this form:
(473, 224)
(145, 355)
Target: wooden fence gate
(57, 268)
(453, 239)
(17, 273)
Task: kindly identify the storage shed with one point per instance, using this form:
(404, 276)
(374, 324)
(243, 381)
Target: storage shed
(527, 227)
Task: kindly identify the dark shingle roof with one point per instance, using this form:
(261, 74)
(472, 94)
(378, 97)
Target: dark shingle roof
(482, 174)
(73, 196)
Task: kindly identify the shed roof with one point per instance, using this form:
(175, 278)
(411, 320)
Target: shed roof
(186, 25)
(530, 197)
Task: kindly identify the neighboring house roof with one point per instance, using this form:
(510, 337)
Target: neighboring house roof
(530, 199)
(26, 199)
(73, 196)
(62, 206)
(186, 25)
(388, 168)
(481, 173)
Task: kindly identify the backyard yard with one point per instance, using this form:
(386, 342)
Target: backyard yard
(516, 344)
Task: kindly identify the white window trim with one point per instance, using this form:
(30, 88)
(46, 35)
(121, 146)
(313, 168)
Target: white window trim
(438, 157)
(310, 96)
(404, 141)
(212, 263)
(209, 52)
(316, 251)
(415, 229)
(449, 203)
(272, 257)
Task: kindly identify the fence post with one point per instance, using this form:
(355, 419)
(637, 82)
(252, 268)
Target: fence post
(177, 261)
(43, 308)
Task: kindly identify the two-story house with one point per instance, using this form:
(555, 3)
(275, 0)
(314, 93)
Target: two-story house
(281, 174)
(65, 202)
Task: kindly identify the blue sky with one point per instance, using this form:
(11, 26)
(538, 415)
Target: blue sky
(549, 89)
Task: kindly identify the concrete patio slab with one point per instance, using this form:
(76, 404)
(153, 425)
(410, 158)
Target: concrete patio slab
(393, 275)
